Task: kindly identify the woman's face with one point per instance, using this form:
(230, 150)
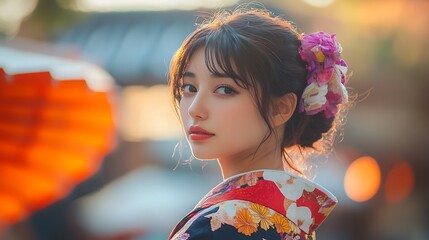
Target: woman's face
(220, 119)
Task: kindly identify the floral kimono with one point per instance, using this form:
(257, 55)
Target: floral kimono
(262, 204)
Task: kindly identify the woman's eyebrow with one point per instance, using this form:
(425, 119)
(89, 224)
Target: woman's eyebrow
(213, 75)
(219, 75)
(189, 74)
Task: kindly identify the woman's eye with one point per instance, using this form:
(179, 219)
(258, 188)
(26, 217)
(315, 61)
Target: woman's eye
(187, 88)
(224, 90)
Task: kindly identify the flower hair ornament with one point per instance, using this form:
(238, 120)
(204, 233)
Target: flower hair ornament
(326, 74)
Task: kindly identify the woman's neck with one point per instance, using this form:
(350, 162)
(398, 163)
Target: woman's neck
(267, 156)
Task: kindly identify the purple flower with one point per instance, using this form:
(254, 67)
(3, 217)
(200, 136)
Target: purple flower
(183, 236)
(324, 75)
(292, 236)
(321, 41)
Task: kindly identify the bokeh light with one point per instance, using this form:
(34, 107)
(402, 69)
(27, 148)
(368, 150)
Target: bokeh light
(12, 12)
(362, 179)
(147, 113)
(319, 3)
(399, 182)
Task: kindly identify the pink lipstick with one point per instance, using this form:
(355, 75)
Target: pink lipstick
(198, 134)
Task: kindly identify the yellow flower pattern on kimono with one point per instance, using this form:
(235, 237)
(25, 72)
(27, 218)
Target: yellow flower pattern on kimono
(261, 215)
(244, 222)
(281, 223)
(250, 216)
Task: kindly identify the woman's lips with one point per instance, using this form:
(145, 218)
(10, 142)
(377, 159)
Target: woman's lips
(198, 134)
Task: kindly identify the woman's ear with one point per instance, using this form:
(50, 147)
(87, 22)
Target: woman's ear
(284, 107)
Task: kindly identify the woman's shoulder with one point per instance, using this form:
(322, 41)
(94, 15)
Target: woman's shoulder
(238, 219)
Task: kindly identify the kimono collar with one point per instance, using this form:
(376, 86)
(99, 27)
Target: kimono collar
(303, 202)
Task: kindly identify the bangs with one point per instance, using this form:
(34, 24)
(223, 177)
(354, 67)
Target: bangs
(222, 53)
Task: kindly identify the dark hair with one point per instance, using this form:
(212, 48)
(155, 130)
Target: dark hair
(260, 53)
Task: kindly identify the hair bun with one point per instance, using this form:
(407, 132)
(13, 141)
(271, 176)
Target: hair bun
(316, 126)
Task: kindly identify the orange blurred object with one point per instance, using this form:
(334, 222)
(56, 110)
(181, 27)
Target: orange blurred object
(56, 125)
(399, 182)
(362, 179)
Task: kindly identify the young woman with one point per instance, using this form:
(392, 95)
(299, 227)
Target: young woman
(252, 92)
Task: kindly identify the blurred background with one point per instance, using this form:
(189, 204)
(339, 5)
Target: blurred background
(138, 184)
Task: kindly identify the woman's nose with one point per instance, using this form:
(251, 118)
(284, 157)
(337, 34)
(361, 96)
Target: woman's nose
(198, 108)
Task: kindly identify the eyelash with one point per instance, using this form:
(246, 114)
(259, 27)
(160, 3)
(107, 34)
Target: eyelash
(225, 87)
(182, 88)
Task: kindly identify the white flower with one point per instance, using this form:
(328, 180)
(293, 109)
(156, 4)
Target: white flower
(293, 188)
(314, 97)
(335, 84)
(301, 216)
